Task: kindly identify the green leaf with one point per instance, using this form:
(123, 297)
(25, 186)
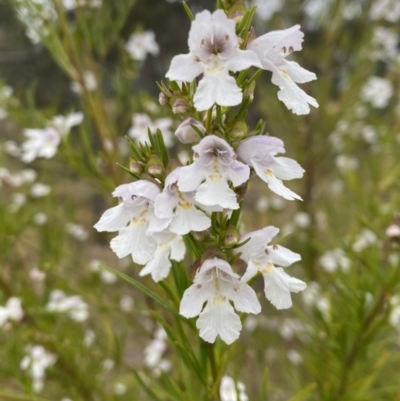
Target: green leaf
(303, 394)
(143, 289)
(5, 396)
(145, 387)
(188, 11)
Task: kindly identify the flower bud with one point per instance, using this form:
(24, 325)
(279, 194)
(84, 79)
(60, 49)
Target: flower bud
(135, 167)
(201, 235)
(239, 131)
(231, 237)
(249, 91)
(162, 99)
(187, 134)
(180, 107)
(155, 167)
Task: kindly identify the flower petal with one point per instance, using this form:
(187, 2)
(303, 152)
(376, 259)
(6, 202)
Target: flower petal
(184, 68)
(221, 89)
(135, 241)
(217, 193)
(279, 285)
(281, 256)
(114, 219)
(219, 319)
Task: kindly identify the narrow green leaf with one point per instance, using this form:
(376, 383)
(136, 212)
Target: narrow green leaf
(303, 394)
(142, 288)
(146, 388)
(188, 11)
(128, 171)
(6, 395)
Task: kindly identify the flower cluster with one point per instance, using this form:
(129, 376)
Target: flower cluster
(173, 208)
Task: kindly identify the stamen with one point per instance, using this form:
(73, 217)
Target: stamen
(291, 49)
(284, 49)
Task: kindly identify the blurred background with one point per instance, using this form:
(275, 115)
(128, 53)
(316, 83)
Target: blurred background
(70, 330)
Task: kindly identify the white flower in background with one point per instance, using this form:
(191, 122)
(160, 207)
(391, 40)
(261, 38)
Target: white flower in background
(385, 42)
(108, 364)
(266, 10)
(333, 260)
(142, 43)
(229, 391)
(40, 218)
(120, 388)
(73, 306)
(153, 353)
(394, 317)
(136, 208)
(12, 148)
(39, 190)
(11, 311)
(37, 275)
(187, 134)
(17, 201)
(179, 207)
(216, 284)
(89, 339)
(141, 123)
(302, 219)
(272, 50)
(214, 163)
(294, 357)
(77, 231)
(314, 298)
(377, 91)
(5, 94)
(169, 246)
(316, 11)
(126, 303)
(35, 363)
(393, 231)
(364, 239)
(259, 152)
(105, 276)
(346, 163)
(213, 51)
(44, 142)
(385, 9)
(263, 258)
(89, 83)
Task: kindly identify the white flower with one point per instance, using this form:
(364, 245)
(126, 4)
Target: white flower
(77, 231)
(179, 207)
(89, 83)
(228, 392)
(266, 10)
(263, 258)
(40, 218)
(44, 142)
(120, 388)
(364, 239)
(302, 219)
(142, 43)
(377, 91)
(259, 152)
(35, 363)
(39, 190)
(331, 261)
(272, 50)
(37, 275)
(5, 94)
(89, 339)
(393, 231)
(346, 163)
(74, 305)
(214, 163)
(154, 351)
(213, 51)
(169, 246)
(141, 123)
(216, 284)
(126, 303)
(11, 311)
(136, 208)
(385, 9)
